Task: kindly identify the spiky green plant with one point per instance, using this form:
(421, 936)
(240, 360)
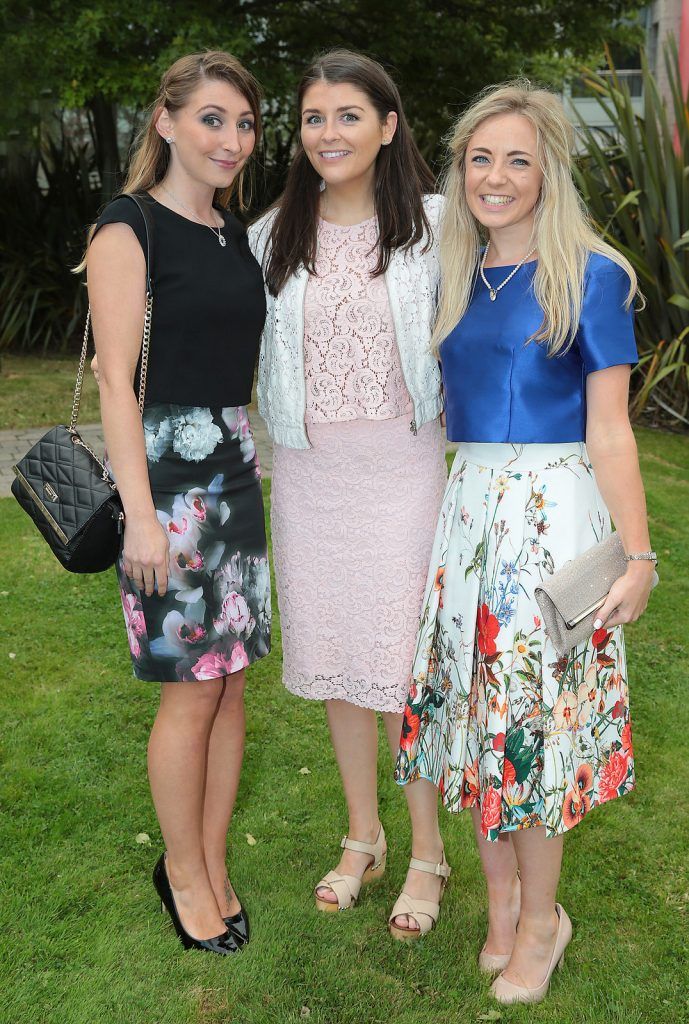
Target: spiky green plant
(635, 179)
(42, 303)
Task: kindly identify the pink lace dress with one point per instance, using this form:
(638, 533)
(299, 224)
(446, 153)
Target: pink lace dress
(353, 517)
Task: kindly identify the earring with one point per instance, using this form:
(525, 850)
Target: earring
(169, 140)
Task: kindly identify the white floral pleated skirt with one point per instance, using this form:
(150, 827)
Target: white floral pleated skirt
(494, 717)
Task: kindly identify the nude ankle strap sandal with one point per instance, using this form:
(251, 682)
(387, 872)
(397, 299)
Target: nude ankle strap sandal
(424, 912)
(347, 887)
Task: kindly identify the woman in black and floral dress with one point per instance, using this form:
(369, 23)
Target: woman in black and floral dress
(194, 572)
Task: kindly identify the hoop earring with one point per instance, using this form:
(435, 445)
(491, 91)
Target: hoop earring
(245, 203)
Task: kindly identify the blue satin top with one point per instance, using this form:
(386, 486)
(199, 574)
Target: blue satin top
(499, 389)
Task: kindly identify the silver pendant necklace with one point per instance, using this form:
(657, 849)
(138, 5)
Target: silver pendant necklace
(214, 228)
(494, 291)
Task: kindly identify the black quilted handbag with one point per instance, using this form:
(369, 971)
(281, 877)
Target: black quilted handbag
(64, 487)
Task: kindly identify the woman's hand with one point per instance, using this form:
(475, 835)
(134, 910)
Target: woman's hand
(628, 596)
(145, 554)
(94, 369)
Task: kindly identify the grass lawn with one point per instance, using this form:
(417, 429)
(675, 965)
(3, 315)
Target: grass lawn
(81, 941)
(35, 392)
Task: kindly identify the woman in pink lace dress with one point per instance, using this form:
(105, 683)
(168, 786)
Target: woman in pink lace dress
(351, 396)
(351, 515)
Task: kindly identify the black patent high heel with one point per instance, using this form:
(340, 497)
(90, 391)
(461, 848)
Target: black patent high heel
(223, 945)
(238, 926)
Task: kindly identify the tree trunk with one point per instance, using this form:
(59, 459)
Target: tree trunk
(104, 114)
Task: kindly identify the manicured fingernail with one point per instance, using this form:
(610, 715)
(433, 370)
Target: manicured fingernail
(597, 624)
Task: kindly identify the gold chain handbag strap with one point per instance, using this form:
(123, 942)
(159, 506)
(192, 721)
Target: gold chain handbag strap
(80, 375)
(145, 337)
(145, 344)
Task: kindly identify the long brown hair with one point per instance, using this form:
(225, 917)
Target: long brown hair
(402, 177)
(151, 154)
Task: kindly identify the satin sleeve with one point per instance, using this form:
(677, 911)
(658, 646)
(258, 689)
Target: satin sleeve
(606, 327)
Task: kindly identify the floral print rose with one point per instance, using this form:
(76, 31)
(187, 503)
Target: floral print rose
(236, 419)
(190, 431)
(195, 435)
(134, 621)
(234, 616)
(219, 663)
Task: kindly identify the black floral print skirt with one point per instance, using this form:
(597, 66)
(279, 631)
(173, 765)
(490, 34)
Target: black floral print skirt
(206, 487)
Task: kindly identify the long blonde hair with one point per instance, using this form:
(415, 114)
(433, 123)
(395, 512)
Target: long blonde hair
(562, 229)
(151, 154)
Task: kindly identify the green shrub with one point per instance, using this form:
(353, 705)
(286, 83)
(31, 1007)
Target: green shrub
(635, 179)
(42, 303)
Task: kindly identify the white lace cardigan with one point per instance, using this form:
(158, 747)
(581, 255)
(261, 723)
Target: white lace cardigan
(412, 283)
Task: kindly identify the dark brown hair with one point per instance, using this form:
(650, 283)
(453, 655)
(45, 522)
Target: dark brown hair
(402, 177)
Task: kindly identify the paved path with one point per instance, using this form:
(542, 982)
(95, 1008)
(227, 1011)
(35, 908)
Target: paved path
(14, 444)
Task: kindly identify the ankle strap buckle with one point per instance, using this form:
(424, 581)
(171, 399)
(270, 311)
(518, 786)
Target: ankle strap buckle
(443, 870)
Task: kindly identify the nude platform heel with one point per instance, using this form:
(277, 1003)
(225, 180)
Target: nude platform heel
(494, 963)
(507, 992)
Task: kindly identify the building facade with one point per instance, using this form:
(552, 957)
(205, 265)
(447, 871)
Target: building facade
(660, 20)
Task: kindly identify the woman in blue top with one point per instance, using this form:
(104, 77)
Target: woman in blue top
(536, 348)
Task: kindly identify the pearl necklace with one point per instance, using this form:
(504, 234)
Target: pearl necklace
(494, 291)
(214, 228)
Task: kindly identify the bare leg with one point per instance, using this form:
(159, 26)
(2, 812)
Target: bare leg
(427, 843)
(540, 860)
(224, 763)
(354, 733)
(499, 863)
(177, 752)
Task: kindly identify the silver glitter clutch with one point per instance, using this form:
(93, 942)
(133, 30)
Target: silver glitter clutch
(571, 597)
